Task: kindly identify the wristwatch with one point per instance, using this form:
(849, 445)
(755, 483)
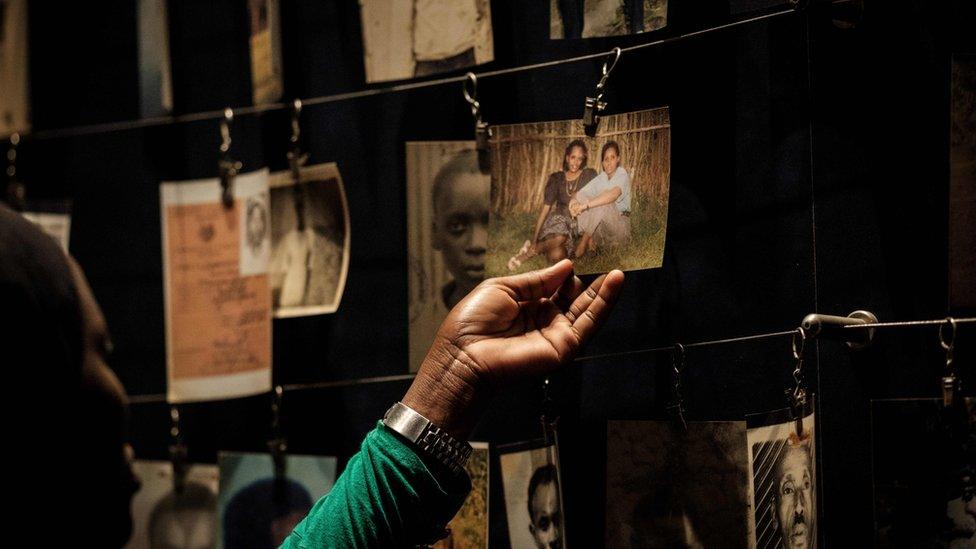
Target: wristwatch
(429, 438)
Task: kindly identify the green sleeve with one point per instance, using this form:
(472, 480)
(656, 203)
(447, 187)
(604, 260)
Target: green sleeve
(386, 497)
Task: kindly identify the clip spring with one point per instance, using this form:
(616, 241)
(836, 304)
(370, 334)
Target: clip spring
(594, 105)
(16, 193)
(177, 451)
(278, 444)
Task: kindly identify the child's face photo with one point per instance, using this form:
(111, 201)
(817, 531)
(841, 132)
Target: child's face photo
(461, 226)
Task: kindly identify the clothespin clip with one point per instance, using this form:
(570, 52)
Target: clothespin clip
(227, 166)
(797, 397)
(177, 451)
(951, 385)
(677, 406)
(16, 193)
(482, 132)
(594, 104)
(277, 445)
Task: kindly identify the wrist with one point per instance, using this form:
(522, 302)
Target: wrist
(447, 391)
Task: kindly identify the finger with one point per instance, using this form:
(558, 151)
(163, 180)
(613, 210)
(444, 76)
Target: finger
(583, 299)
(587, 323)
(567, 293)
(536, 284)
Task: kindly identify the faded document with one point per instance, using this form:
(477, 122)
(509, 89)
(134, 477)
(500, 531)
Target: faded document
(218, 299)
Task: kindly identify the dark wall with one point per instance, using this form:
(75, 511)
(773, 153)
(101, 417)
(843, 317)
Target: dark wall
(809, 173)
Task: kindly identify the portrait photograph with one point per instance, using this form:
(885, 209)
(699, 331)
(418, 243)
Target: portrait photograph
(309, 241)
(923, 457)
(256, 510)
(413, 38)
(447, 231)
(266, 74)
(600, 201)
(783, 484)
(533, 498)
(668, 486)
(469, 527)
(163, 518)
(596, 18)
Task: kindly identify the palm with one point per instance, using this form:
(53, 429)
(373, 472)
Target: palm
(524, 324)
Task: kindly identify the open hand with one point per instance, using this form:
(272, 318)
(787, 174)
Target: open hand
(508, 327)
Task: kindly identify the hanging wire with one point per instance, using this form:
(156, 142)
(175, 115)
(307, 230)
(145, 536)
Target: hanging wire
(159, 398)
(125, 125)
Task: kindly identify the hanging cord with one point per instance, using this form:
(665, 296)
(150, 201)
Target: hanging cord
(76, 131)
(319, 385)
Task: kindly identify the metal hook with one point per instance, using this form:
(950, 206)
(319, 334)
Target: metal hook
(227, 166)
(177, 451)
(470, 90)
(798, 396)
(277, 445)
(950, 383)
(16, 193)
(296, 128)
(594, 105)
(482, 132)
(677, 365)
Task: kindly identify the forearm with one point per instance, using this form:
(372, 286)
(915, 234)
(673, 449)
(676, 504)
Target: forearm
(387, 496)
(608, 196)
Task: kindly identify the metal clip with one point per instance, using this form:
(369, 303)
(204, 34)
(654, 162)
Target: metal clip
(227, 166)
(677, 406)
(594, 104)
(548, 423)
(482, 131)
(798, 396)
(177, 451)
(951, 386)
(277, 445)
(16, 193)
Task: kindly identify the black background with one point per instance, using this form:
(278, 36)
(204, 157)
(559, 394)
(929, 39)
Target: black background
(809, 174)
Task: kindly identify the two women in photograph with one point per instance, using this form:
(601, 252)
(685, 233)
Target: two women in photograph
(582, 210)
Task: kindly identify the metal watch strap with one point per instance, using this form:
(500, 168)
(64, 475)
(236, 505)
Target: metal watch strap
(429, 438)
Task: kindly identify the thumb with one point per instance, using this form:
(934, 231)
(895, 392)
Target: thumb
(536, 284)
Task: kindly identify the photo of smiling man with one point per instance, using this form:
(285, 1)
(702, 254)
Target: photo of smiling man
(447, 232)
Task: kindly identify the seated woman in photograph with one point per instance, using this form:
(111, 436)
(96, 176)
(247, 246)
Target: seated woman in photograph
(553, 234)
(602, 209)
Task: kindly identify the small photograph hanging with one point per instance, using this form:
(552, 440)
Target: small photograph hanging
(447, 224)
(155, 73)
(469, 527)
(414, 38)
(266, 80)
(782, 482)
(533, 497)
(215, 287)
(53, 217)
(309, 241)
(602, 201)
(165, 517)
(258, 510)
(14, 81)
(924, 473)
(962, 184)
(596, 18)
(673, 487)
